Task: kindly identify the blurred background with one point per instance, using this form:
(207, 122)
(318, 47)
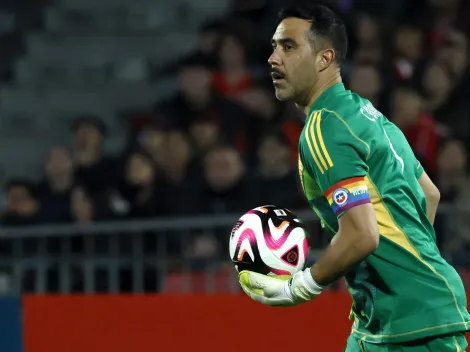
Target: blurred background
(133, 134)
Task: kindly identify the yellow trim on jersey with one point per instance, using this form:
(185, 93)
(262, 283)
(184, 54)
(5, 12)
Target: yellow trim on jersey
(315, 118)
(393, 232)
(390, 230)
(328, 163)
(307, 138)
(459, 349)
(387, 227)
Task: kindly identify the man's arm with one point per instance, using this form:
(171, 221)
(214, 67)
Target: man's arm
(358, 236)
(344, 185)
(432, 195)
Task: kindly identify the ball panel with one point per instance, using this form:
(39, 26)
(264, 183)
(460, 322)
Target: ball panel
(269, 240)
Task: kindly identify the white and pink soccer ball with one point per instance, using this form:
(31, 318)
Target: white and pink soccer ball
(269, 240)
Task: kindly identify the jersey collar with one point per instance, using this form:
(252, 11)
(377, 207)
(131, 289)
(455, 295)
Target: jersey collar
(332, 91)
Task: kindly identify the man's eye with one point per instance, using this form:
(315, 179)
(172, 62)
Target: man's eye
(288, 47)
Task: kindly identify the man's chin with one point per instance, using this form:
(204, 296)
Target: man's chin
(282, 95)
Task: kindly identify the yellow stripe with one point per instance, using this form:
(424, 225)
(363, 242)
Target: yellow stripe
(390, 230)
(457, 345)
(387, 227)
(310, 122)
(316, 118)
(322, 143)
(361, 345)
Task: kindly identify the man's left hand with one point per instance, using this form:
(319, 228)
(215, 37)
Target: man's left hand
(282, 291)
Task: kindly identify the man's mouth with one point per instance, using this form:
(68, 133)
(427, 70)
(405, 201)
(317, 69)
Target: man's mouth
(277, 76)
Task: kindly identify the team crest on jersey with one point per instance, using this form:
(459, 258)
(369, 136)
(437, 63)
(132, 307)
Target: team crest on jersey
(340, 197)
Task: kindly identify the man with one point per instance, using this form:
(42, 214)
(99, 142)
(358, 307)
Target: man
(362, 179)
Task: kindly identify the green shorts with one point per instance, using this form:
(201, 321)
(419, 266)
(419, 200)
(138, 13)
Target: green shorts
(447, 343)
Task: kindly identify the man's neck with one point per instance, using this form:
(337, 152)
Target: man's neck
(319, 89)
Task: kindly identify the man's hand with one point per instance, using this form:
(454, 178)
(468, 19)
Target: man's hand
(283, 291)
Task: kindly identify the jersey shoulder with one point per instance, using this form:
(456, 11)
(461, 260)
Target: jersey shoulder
(342, 119)
(353, 110)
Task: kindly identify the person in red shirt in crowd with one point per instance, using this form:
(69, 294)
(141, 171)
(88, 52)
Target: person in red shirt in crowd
(233, 77)
(408, 43)
(422, 132)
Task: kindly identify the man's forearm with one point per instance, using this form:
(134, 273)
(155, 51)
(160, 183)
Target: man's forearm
(431, 209)
(432, 195)
(344, 252)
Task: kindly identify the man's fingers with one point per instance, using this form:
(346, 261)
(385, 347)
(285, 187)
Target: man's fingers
(264, 285)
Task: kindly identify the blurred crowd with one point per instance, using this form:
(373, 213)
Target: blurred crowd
(224, 144)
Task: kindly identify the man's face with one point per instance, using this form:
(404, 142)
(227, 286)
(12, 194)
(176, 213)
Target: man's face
(59, 162)
(223, 169)
(194, 81)
(408, 42)
(273, 154)
(365, 81)
(20, 201)
(294, 63)
(88, 137)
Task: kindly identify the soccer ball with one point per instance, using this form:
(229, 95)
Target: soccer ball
(269, 240)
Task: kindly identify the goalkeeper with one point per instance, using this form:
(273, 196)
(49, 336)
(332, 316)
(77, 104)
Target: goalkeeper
(362, 179)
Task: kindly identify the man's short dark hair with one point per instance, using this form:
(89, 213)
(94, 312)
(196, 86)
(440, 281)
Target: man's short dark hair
(326, 24)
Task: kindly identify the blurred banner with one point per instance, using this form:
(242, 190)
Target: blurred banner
(228, 323)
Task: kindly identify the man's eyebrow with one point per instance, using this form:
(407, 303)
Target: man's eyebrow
(283, 41)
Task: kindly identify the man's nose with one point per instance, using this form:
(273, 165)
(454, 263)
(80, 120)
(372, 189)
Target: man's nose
(274, 59)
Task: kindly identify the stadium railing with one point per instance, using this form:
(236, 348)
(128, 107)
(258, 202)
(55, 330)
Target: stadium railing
(128, 256)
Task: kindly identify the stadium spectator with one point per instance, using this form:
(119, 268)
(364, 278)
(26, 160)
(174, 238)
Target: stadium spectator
(420, 129)
(366, 80)
(152, 138)
(197, 101)
(54, 192)
(276, 180)
(142, 189)
(83, 209)
(408, 44)
(368, 39)
(233, 76)
(22, 206)
(437, 85)
(226, 182)
(183, 177)
(452, 180)
(93, 169)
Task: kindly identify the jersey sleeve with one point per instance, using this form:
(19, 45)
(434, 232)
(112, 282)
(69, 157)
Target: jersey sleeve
(418, 169)
(336, 158)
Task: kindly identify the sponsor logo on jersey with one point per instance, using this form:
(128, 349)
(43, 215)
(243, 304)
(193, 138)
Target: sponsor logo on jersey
(370, 112)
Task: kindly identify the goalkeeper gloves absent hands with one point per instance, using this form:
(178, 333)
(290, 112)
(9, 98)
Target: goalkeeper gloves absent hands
(284, 291)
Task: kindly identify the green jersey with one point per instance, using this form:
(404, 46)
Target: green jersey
(350, 154)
